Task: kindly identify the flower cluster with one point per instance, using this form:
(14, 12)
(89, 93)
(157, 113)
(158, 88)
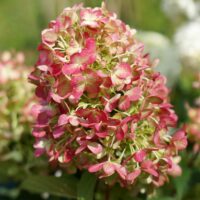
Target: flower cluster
(187, 41)
(15, 103)
(193, 126)
(102, 106)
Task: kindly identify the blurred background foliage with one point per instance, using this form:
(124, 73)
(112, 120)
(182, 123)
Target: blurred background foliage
(21, 21)
(159, 24)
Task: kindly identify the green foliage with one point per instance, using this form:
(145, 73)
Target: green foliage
(86, 186)
(62, 187)
(181, 183)
(23, 20)
(18, 22)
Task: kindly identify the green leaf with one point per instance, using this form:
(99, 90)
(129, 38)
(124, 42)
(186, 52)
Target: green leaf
(10, 169)
(86, 186)
(117, 192)
(50, 184)
(163, 198)
(181, 183)
(12, 193)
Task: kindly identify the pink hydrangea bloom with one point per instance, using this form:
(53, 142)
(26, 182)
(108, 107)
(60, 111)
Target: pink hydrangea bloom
(193, 127)
(16, 100)
(193, 124)
(103, 107)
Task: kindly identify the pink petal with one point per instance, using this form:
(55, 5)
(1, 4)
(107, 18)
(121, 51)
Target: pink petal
(56, 97)
(71, 68)
(123, 70)
(175, 170)
(87, 56)
(43, 117)
(154, 100)
(146, 113)
(125, 127)
(64, 87)
(180, 140)
(63, 119)
(97, 116)
(43, 68)
(90, 18)
(44, 56)
(92, 24)
(92, 83)
(149, 167)
(95, 147)
(49, 36)
(78, 59)
(113, 122)
(38, 152)
(42, 92)
(115, 80)
(83, 112)
(120, 134)
(90, 45)
(35, 110)
(134, 94)
(38, 133)
(58, 132)
(140, 155)
(127, 119)
(80, 149)
(55, 69)
(78, 84)
(124, 103)
(96, 167)
(133, 175)
(179, 135)
(121, 171)
(108, 168)
(112, 103)
(68, 155)
(34, 77)
(157, 140)
(101, 134)
(73, 120)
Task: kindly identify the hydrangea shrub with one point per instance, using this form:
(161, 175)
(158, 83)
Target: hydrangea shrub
(102, 106)
(15, 104)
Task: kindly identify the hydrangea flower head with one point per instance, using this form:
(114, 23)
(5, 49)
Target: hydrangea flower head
(103, 107)
(15, 103)
(193, 126)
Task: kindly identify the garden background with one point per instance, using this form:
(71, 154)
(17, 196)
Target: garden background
(170, 30)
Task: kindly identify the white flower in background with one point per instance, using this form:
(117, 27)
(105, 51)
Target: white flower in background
(176, 8)
(162, 48)
(187, 40)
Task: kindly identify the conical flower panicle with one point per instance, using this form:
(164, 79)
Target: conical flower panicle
(103, 107)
